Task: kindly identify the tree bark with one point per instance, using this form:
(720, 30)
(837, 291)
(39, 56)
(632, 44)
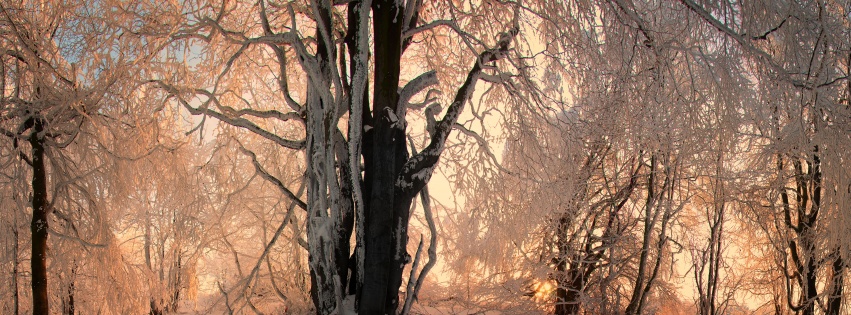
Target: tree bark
(329, 210)
(654, 213)
(802, 249)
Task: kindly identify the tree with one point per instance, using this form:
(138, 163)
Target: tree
(794, 49)
(55, 93)
(167, 211)
(372, 198)
(649, 96)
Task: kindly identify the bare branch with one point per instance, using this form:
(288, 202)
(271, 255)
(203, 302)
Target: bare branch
(482, 144)
(272, 179)
(233, 121)
(267, 249)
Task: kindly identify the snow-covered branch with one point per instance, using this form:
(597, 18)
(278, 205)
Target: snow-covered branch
(233, 121)
(416, 282)
(274, 180)
(743, 41)
(416, 86)
(418, 169)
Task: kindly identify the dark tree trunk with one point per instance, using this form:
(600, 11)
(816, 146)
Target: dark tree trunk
(811, 289)
(15, 295)
(636, 302)
(385, 213)
(347, 213)
(576, 263)
(69, 308)
(834, 301)
(155, 309)
(648, 267)
(803, 250)
(155, 305)
(176, 281)
(338, 201)
(39, 226)
(573, 275)
(567, 291)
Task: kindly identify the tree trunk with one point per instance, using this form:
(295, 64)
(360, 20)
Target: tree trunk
(834, 301)
(567, 282)
(567, 294)
(803, 250)
(175, 281)
(386, 211)
(359, 143)
(69, 308)
(156, 309)
(811, 292)
(648, 267)
(636, 302)
(15, 296)
(39, 226)
(338, 202)
(347, 215)
(323, 191)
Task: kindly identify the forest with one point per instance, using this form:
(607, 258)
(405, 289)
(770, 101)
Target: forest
(425, 157)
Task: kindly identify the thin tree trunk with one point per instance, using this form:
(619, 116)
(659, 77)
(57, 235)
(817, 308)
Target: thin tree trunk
(69, 308)
(637, 300)
(14, 226)
(175, 282)
(569, 283)
(155, 305)
(834, 301)
(15, 295)
(564, 302)
(347, 214)
(358, 139)
(644, 281)
(39, 224)
(811, 289)
(568, 293)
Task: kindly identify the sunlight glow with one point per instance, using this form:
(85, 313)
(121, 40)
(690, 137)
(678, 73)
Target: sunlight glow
(543, 289)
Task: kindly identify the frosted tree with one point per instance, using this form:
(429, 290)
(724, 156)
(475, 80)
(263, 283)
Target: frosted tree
(608, 160)
(165, 215)
(796, 51)
(338, 90)
(60, 68)
(14, 200)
